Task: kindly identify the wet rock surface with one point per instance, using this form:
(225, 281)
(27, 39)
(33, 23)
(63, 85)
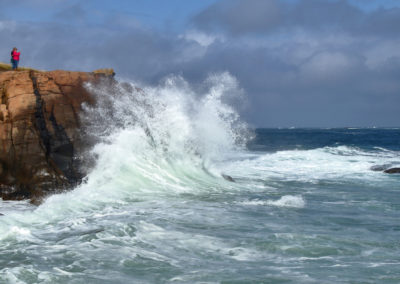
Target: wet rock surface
(393, 171)
(40, 131)
(380, 168)
(228, 178)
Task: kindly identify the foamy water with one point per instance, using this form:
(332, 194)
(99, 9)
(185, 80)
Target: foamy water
(156, 209)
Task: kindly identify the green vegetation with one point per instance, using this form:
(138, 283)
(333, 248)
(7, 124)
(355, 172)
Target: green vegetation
(7, 67)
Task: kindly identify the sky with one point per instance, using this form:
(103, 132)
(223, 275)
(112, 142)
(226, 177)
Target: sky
(300, 63)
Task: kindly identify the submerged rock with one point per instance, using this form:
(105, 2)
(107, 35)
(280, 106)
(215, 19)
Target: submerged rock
(380, 168)
(228, 178)
(393, 171)
(39, 130)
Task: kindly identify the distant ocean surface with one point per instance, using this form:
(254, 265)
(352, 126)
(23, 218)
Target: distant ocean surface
(305, 206)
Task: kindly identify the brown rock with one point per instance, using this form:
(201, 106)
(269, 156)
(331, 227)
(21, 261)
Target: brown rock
(105, 71)
(39, 131)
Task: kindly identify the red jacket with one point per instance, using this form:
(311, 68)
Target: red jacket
(15, 55)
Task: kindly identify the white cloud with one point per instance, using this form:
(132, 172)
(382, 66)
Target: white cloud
(7, 25)
(200, 37)
(379, 53)
(327, 65)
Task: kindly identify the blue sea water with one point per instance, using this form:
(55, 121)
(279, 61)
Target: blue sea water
(305, 207)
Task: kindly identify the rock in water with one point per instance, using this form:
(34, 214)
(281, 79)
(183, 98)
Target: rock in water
(380, 168)
(39, 130)
(228, 178)
(393, 171)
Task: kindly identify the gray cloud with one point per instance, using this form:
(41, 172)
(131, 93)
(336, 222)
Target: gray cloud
(327, 88)
(72, 14)
(310, 64)
(313, 62)
(239, 17)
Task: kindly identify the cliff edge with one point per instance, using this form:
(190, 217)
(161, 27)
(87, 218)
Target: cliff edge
(39, 130)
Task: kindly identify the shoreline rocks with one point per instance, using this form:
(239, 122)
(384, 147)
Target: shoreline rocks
(392, 171)
(386, 168)
(39, 130)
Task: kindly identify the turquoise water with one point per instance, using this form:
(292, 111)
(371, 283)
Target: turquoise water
(305, 206)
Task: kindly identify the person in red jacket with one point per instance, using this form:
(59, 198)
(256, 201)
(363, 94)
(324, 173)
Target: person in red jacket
(15, 58)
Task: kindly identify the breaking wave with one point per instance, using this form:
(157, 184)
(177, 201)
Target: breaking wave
(155, 206)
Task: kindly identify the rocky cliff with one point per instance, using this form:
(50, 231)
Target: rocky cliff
(39, 130)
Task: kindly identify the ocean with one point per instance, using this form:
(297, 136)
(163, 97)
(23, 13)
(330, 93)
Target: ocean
(305, 205)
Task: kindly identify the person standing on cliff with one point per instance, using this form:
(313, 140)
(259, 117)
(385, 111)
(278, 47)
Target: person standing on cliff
(15, 58)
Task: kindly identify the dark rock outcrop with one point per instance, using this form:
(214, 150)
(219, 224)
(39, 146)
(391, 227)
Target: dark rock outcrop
(380, 168)
(228, 178)
(393, 171)
(39, 130)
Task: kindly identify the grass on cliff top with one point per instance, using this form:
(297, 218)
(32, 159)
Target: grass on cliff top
(7, 67)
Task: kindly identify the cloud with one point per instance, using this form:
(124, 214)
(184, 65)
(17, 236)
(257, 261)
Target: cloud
(241, 17)
(311, 63)
(74, 13)
(201, 38)
(317, 62)
(329, 65)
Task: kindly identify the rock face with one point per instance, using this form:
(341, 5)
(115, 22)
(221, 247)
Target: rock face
(393, 171)
(39, 131)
